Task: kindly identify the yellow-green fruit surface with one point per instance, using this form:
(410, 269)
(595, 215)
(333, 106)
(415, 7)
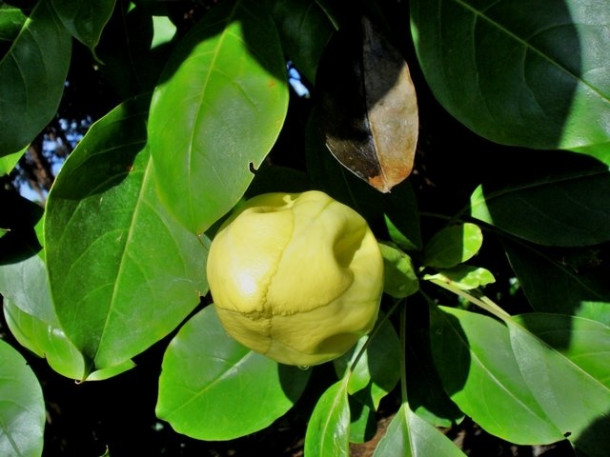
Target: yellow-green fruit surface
(297, 277)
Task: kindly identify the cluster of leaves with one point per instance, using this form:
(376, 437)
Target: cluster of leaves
(115, 262)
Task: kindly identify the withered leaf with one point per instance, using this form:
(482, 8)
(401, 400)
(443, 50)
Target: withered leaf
(367, 106)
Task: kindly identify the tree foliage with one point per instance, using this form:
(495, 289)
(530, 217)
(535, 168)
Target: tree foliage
(496, 246)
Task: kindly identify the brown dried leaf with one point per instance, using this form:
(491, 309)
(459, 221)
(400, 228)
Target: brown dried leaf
(368, 107)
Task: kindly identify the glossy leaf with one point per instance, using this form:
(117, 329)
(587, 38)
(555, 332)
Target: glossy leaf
(479, 371)
(577, 290)
(377, 369)
(520, 74)
(558, 203)
(305, 29)
(8, 162)
(453, 245)
(408, 435)
(29, 97)
(368, 106)
(465, 277)
(84, 20)
(565, 362)
(207, 374)
(22, 408)
(11, 22)
(30, 316)
(400, 279)
(225, 92)
(327, 432)
(123, 273)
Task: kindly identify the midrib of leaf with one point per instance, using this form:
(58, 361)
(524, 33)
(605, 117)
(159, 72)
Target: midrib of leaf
(542, 182)
(549, 348)
(497, 381)
(138, 206)
(527, 45)
(223, 375)
(217, 50)
(329, 417)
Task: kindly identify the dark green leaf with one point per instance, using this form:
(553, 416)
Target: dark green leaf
(400, 279)
(123, 273)
(327, 432)
(32, 75)
(207, 374)
(520, 73)
(304, 29)
(453, 245)
(562, 202)
(11, 22)
(84, 20)
(410, 436)
(22, 409)
(368, 107)
(580, 290)
(218, 110)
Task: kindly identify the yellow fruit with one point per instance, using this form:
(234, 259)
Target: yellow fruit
(297, 277)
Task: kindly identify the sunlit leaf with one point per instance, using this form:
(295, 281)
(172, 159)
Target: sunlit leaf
(518, 73)
(207, 374)
(465, 276)
(400, 279)
(547, 376)
(368, 106)
(218, 111)
(22, 408)
(408, 435)
(123, 273)
(479, 371)
(453, 245)
(8, 162)
(32, 75)
(327, 432)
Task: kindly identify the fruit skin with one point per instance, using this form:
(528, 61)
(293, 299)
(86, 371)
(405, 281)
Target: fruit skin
(297, 277)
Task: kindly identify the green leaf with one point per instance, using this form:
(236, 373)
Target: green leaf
(84, 20)
(327, 432)
(226, 94)
(410, 436)
(400, 279)
(30, 316)
(565, 362)
(476, 363)
(377, 370)
(466, 277)
(453, 245)
(123, 273)
(29, 95)
(305, 29)
(534, 75)
(207, 374)
(580, 291)
(22, 409)
(8, 162)
(11, 22)
(560, 202)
